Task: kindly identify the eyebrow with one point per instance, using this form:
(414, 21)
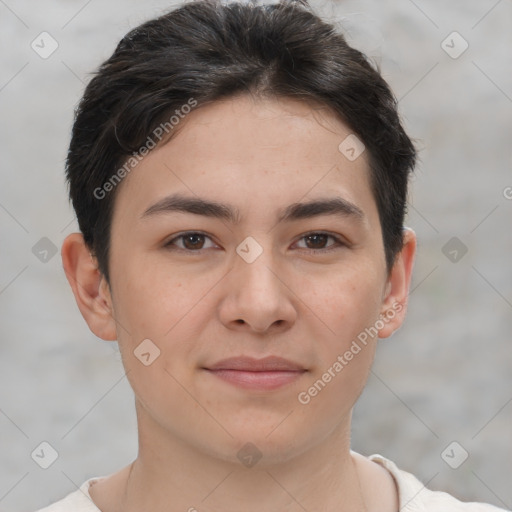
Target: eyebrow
(337, 206)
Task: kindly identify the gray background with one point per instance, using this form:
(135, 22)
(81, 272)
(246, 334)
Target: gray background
(444, 377)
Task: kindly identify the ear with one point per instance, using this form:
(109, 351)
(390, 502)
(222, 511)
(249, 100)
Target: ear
(90, 288)
(394, 305)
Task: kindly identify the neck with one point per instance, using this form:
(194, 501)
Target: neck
(170, 475)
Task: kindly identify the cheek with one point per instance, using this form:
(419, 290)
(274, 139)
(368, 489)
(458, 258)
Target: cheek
(158, 313)
(153, 300)
(344, 358)
(348, 301)
(349, 307)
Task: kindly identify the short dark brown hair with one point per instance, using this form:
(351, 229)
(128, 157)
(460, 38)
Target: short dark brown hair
(208, 50)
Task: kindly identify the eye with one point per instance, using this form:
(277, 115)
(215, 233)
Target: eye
(194, 241)
(191, 241)
(316, 242)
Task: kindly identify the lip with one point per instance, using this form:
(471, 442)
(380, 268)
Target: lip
(251, 364)
(260, 374)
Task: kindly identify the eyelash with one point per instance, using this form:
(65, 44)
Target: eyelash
(339, 243)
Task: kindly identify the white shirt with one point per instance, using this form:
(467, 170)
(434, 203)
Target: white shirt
(413, 496)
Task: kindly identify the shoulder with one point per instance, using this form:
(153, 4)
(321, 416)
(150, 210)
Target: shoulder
(76, 501)
(415, 497)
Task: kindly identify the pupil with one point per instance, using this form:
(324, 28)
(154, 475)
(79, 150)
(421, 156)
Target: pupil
(317, 237)
(192, 237)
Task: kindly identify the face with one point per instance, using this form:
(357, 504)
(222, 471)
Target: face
(262, 275)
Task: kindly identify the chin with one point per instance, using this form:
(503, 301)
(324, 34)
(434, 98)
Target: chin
(263, 445)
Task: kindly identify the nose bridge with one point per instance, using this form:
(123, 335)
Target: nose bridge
(255, 266)
(256, 294)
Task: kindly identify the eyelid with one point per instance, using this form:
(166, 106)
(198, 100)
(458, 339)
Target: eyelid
(169, 243)
(339, 241)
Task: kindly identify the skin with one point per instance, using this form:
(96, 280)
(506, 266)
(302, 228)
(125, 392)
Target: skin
(201, 306)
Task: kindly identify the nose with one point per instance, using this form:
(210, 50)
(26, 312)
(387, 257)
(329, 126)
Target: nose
(258, 298)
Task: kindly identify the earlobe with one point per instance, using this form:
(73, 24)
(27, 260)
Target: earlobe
(89, 286)
(394, 305)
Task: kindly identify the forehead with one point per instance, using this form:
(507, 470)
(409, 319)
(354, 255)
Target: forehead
(252, 153)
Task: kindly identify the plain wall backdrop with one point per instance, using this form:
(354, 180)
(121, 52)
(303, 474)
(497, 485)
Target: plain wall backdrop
(444, 377)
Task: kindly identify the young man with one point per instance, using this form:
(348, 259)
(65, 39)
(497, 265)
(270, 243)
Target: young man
(239, 175)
